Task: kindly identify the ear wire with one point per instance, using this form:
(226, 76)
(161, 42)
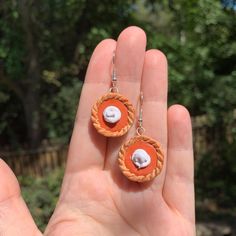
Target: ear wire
(140, 129)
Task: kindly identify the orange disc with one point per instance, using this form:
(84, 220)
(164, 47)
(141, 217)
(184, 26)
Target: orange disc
(127, 166)
(119, 124)
(118, 128)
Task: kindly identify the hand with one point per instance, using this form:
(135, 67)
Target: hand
(96, 199)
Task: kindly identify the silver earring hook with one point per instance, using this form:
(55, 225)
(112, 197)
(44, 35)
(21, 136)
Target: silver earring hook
(140, 129)
(113, 76)
(113, 57)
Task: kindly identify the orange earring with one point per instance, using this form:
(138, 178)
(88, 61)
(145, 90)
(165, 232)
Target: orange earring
(112, 115)
(141, 158)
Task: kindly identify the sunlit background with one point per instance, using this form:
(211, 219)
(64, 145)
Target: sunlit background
(45, 47)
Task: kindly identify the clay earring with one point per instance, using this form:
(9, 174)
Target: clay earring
(141, 158)
(112, 114)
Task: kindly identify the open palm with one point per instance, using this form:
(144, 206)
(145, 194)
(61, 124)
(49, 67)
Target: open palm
(96, 199)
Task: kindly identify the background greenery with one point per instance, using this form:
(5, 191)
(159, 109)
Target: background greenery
(41, 195)
(45, 47)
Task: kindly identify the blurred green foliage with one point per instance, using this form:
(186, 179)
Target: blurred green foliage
(215, 177)
(41, 195)
(58, 120)
(45, 47)
(198, 38)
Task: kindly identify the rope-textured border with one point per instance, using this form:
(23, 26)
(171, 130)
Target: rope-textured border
(95, 120)
(142, 178)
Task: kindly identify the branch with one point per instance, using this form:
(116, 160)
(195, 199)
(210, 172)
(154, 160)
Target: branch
(33, 64)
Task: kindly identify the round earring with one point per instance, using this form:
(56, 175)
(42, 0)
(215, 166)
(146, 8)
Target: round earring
(112, 115)
(141, 158)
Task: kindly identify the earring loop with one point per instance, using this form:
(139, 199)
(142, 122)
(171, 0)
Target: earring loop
(112, 114)
(141, 158)
(140, 131)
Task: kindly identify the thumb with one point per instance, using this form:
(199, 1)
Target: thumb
(15, 217)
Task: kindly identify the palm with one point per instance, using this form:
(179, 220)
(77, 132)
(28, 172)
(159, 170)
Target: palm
(96, 199)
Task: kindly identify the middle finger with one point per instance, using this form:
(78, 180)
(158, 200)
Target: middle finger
(129, 58)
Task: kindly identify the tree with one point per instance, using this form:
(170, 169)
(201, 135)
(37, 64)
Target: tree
(45, 46)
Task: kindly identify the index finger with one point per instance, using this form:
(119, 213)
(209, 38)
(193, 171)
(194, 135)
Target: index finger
(87, 147)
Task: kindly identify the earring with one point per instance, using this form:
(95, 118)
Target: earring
(141, 158)
(112, 115)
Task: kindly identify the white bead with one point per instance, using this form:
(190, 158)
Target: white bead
(111, 114)
(140, 158)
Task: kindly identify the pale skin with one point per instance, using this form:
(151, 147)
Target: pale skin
(96, 199)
